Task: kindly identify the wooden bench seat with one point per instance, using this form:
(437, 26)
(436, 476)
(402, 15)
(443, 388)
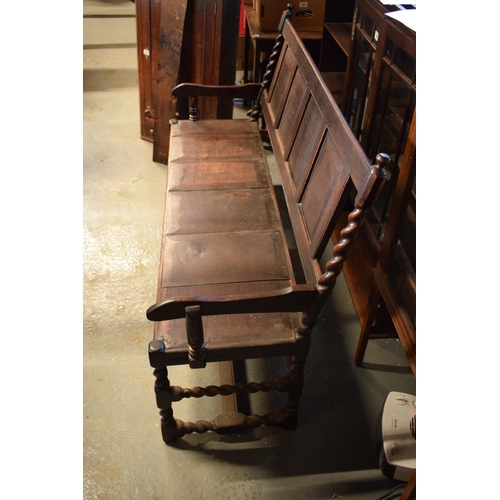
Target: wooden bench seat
(229, 287)
(223, 237)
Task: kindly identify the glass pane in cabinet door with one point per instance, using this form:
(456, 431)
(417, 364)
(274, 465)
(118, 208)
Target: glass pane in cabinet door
(391, 126)
(395, 104)
(361, 85)
(392, 118)
(367, 25)
(405, 63)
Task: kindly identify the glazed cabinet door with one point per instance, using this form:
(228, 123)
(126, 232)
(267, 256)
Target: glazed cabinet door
(368, 17)
(390, 112)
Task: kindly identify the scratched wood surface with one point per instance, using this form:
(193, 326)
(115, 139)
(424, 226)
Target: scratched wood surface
(197, 43)
(173, 15)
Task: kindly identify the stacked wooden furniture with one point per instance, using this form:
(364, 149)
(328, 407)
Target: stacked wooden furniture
(228, 287)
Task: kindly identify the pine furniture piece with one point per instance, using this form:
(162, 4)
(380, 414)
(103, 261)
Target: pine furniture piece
(229, 287)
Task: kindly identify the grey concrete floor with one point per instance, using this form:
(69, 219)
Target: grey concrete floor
(332, 452)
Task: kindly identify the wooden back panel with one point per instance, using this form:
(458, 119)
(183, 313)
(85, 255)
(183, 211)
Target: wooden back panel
(319, 158)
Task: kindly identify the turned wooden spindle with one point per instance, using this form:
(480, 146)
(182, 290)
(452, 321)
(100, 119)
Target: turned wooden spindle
(162, 390)
(362, 204)
(334, 266)
(193, 108)
(271, 65)
(195, 338)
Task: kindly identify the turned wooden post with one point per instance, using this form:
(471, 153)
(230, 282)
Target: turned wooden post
(162, 390)
(193, 108)
(363, 202)
(271, 65)
(194, 329)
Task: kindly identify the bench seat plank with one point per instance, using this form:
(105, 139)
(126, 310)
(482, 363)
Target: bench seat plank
(223, 236)
(215, 140)
(237, 331)
(235, 174)
(193, 259)
(214, 235)
(244, 210)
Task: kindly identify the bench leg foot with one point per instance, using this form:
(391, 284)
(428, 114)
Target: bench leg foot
(169, 431)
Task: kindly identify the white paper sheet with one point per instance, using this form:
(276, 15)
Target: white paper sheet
(394, 2)
(407, 17)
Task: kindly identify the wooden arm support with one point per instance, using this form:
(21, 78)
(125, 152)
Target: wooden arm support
(192, 91)
(195, 337)
(292, 299)
(248, 91)
(364, 200)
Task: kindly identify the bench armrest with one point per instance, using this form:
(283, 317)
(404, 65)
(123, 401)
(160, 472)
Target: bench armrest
(296, 298)
(249, 91)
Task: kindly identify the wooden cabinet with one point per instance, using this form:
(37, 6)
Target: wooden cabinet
(335, 45)
(390, 108)
(378, 101)
(194, 41)
(148, 33)
(394, 281)
(367, 21)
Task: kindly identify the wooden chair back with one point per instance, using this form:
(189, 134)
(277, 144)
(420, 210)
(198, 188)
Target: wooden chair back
(319, 159)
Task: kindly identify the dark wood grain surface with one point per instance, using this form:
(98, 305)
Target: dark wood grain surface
(227, 286)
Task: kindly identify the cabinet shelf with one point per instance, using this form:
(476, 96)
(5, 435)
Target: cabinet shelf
(336, 38)
(341, 33)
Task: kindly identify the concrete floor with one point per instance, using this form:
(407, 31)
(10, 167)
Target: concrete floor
(333, 450)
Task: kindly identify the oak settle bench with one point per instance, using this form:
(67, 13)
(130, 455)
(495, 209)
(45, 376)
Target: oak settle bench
(228, 289)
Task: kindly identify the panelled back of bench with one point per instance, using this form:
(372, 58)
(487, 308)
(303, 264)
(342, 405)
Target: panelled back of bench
(319, 158)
